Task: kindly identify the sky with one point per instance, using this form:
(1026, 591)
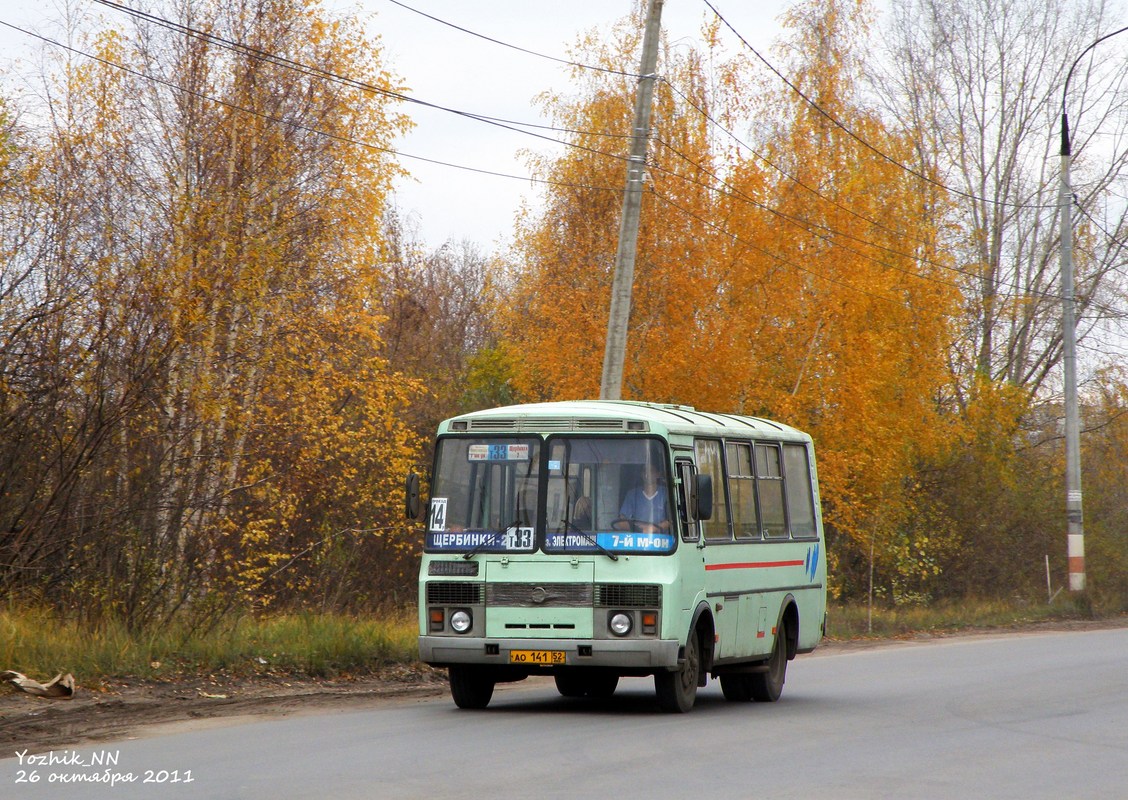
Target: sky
(451, 68)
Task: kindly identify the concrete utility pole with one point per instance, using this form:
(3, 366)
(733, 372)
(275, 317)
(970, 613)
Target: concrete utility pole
(611, 386)
(1073, 508)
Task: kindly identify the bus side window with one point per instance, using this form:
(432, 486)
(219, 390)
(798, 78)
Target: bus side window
(742, 490)
(800, 499)
(769, 490)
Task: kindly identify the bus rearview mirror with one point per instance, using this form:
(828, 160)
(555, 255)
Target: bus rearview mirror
(704, 497)
(411, 496)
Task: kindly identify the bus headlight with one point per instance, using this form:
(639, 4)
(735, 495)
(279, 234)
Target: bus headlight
(620, 623)
(461, 621)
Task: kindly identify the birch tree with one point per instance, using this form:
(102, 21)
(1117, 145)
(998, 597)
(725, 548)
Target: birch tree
(981, 82)
(226, 423)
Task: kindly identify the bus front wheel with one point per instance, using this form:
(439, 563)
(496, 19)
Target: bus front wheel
(470, 687)
(677, 691)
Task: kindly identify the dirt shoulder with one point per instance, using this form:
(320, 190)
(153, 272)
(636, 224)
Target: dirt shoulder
(119, 709)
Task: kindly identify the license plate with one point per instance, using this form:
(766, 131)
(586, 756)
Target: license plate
(536, 657)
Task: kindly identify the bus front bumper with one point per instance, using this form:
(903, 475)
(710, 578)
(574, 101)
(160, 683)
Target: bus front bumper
(627, 654)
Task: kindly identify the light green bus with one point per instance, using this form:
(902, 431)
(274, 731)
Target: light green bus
(602, 539)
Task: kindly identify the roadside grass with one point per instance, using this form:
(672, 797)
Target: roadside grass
(857, 621)
(41, 643)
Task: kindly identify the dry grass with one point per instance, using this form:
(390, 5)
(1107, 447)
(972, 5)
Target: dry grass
(40, 643)
(857, 621)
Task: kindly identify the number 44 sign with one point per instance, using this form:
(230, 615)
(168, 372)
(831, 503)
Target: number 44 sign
(438, 514)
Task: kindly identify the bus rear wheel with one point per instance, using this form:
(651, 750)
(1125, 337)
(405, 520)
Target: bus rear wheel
(677, 691)
(737, 687)
(470, 687)
(767, 686)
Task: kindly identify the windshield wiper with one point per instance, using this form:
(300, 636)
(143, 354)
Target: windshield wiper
(590, 537)
(469, 554)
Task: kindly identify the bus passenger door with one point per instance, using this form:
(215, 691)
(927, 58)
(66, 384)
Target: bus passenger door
(691, 556)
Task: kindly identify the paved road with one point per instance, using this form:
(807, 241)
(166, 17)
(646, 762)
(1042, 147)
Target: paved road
(1017, 716)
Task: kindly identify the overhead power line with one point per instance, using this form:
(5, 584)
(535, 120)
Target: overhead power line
(392, 94)
(298, 126)
(850, 132)
(673, 88)
(787, 175)
(518, 48)
(780, 259)
(803, 224)
(311, 71)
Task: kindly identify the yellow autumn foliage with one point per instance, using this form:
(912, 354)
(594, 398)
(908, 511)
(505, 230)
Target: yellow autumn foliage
(218, 246)
(797, 276)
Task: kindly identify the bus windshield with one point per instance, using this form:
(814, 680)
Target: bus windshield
(608, 494)
(485, 495)
(601, 495)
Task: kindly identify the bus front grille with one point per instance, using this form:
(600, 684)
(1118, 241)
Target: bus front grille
(539, 595)
(544, 595)
(454, 593)
(627, 595)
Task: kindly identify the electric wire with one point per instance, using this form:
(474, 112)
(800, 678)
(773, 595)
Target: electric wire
(313, 71)
(780, 259)
(673, 88)
(812, 227)
(379, 148)
(835, 203)
(1121, 244)
(506, 123)
(847, 130)
(809, 226)
(780, 170)
(518, 48)
(301, 127)
(309, 71)
(1013, 287)
(784, 173)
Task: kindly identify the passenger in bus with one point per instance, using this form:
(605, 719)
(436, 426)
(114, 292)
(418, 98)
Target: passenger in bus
(645, 507)
(579, 507)
(581, 513)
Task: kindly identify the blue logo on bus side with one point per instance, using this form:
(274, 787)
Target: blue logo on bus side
(812, 562)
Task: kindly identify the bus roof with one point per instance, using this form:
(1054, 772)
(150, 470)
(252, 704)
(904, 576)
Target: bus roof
(611, 416)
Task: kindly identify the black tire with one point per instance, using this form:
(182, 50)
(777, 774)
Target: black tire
(602, 685)
(737, 687)
(470, 687)
(768, 686)
(586, 684)
(569, 684)
(677, 691)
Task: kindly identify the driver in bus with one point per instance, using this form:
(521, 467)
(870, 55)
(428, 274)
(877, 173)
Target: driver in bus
(645, 507)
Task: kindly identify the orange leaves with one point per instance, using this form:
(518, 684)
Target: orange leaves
(797, 277)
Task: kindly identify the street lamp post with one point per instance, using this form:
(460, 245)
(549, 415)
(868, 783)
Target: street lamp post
(1073, 506)
(1075, 536)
